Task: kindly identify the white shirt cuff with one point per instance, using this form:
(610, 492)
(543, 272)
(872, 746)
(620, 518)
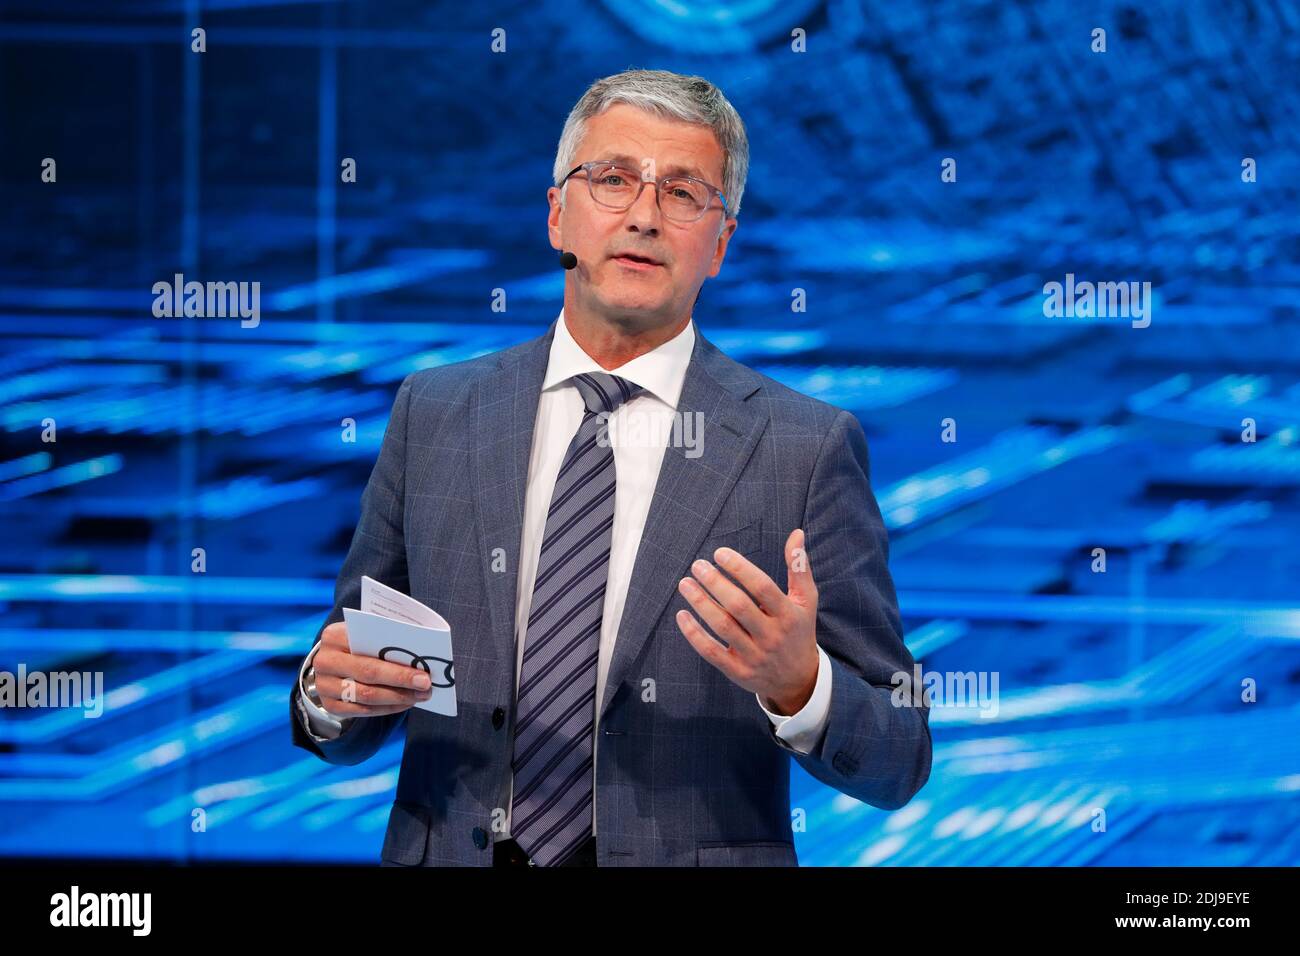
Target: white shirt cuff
(803, 729)
(321, 724)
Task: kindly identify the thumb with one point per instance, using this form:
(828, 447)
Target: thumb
(799, 580)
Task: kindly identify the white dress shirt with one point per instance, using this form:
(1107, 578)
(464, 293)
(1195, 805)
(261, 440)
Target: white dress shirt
(661, 373)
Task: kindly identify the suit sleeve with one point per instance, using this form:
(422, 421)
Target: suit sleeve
(378, 549)
(871, 749)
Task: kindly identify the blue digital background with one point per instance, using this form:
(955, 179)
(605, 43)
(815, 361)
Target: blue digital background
(1120, 691)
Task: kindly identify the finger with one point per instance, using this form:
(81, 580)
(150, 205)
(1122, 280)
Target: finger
(350, 691)
(705, 645)
(343, 708)
(336, 636)
(732, 598)
(716, 617)
(799, 577)
(770, 598)
(370, 670)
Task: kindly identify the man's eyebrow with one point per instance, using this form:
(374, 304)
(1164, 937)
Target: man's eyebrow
(670, 170)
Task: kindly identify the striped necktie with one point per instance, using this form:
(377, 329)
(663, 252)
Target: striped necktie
(551, 810)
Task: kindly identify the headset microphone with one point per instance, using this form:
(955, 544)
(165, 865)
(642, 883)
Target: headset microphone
(568, 260)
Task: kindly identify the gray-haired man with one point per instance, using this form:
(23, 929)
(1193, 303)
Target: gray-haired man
(645, 628)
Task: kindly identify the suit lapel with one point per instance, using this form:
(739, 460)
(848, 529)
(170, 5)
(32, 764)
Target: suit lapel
(688, 495)
(504, 413)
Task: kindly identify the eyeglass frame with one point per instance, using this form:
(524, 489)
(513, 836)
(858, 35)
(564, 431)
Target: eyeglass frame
(588, 166)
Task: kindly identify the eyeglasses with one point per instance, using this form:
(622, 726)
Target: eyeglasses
(680, 198)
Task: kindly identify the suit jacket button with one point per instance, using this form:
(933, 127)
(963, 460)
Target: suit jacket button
(498, 718)
(480, 838)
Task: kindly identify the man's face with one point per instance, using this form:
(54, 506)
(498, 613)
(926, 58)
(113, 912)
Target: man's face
(639, 297)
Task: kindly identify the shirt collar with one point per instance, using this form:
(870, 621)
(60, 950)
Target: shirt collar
(661, 371)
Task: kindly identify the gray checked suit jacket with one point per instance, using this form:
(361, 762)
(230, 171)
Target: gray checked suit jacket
(698, 776)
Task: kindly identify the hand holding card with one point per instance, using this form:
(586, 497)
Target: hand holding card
(395, 627)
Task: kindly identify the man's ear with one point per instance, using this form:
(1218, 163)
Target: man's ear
(555, 199)
(727, 230)
(723, 232)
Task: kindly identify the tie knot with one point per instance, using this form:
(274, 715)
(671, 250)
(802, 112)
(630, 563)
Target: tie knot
(603, 392)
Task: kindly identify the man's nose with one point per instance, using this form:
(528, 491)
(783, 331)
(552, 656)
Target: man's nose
(644, 213)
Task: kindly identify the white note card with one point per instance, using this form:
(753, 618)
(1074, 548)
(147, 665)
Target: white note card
(396, 627)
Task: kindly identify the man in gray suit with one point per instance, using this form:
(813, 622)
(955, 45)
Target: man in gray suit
(665, 573)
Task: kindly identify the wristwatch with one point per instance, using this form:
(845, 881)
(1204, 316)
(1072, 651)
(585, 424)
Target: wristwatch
(310, 689)
(311, 707)
(309, 681)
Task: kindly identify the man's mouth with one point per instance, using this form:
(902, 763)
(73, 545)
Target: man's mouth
(635, 260)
